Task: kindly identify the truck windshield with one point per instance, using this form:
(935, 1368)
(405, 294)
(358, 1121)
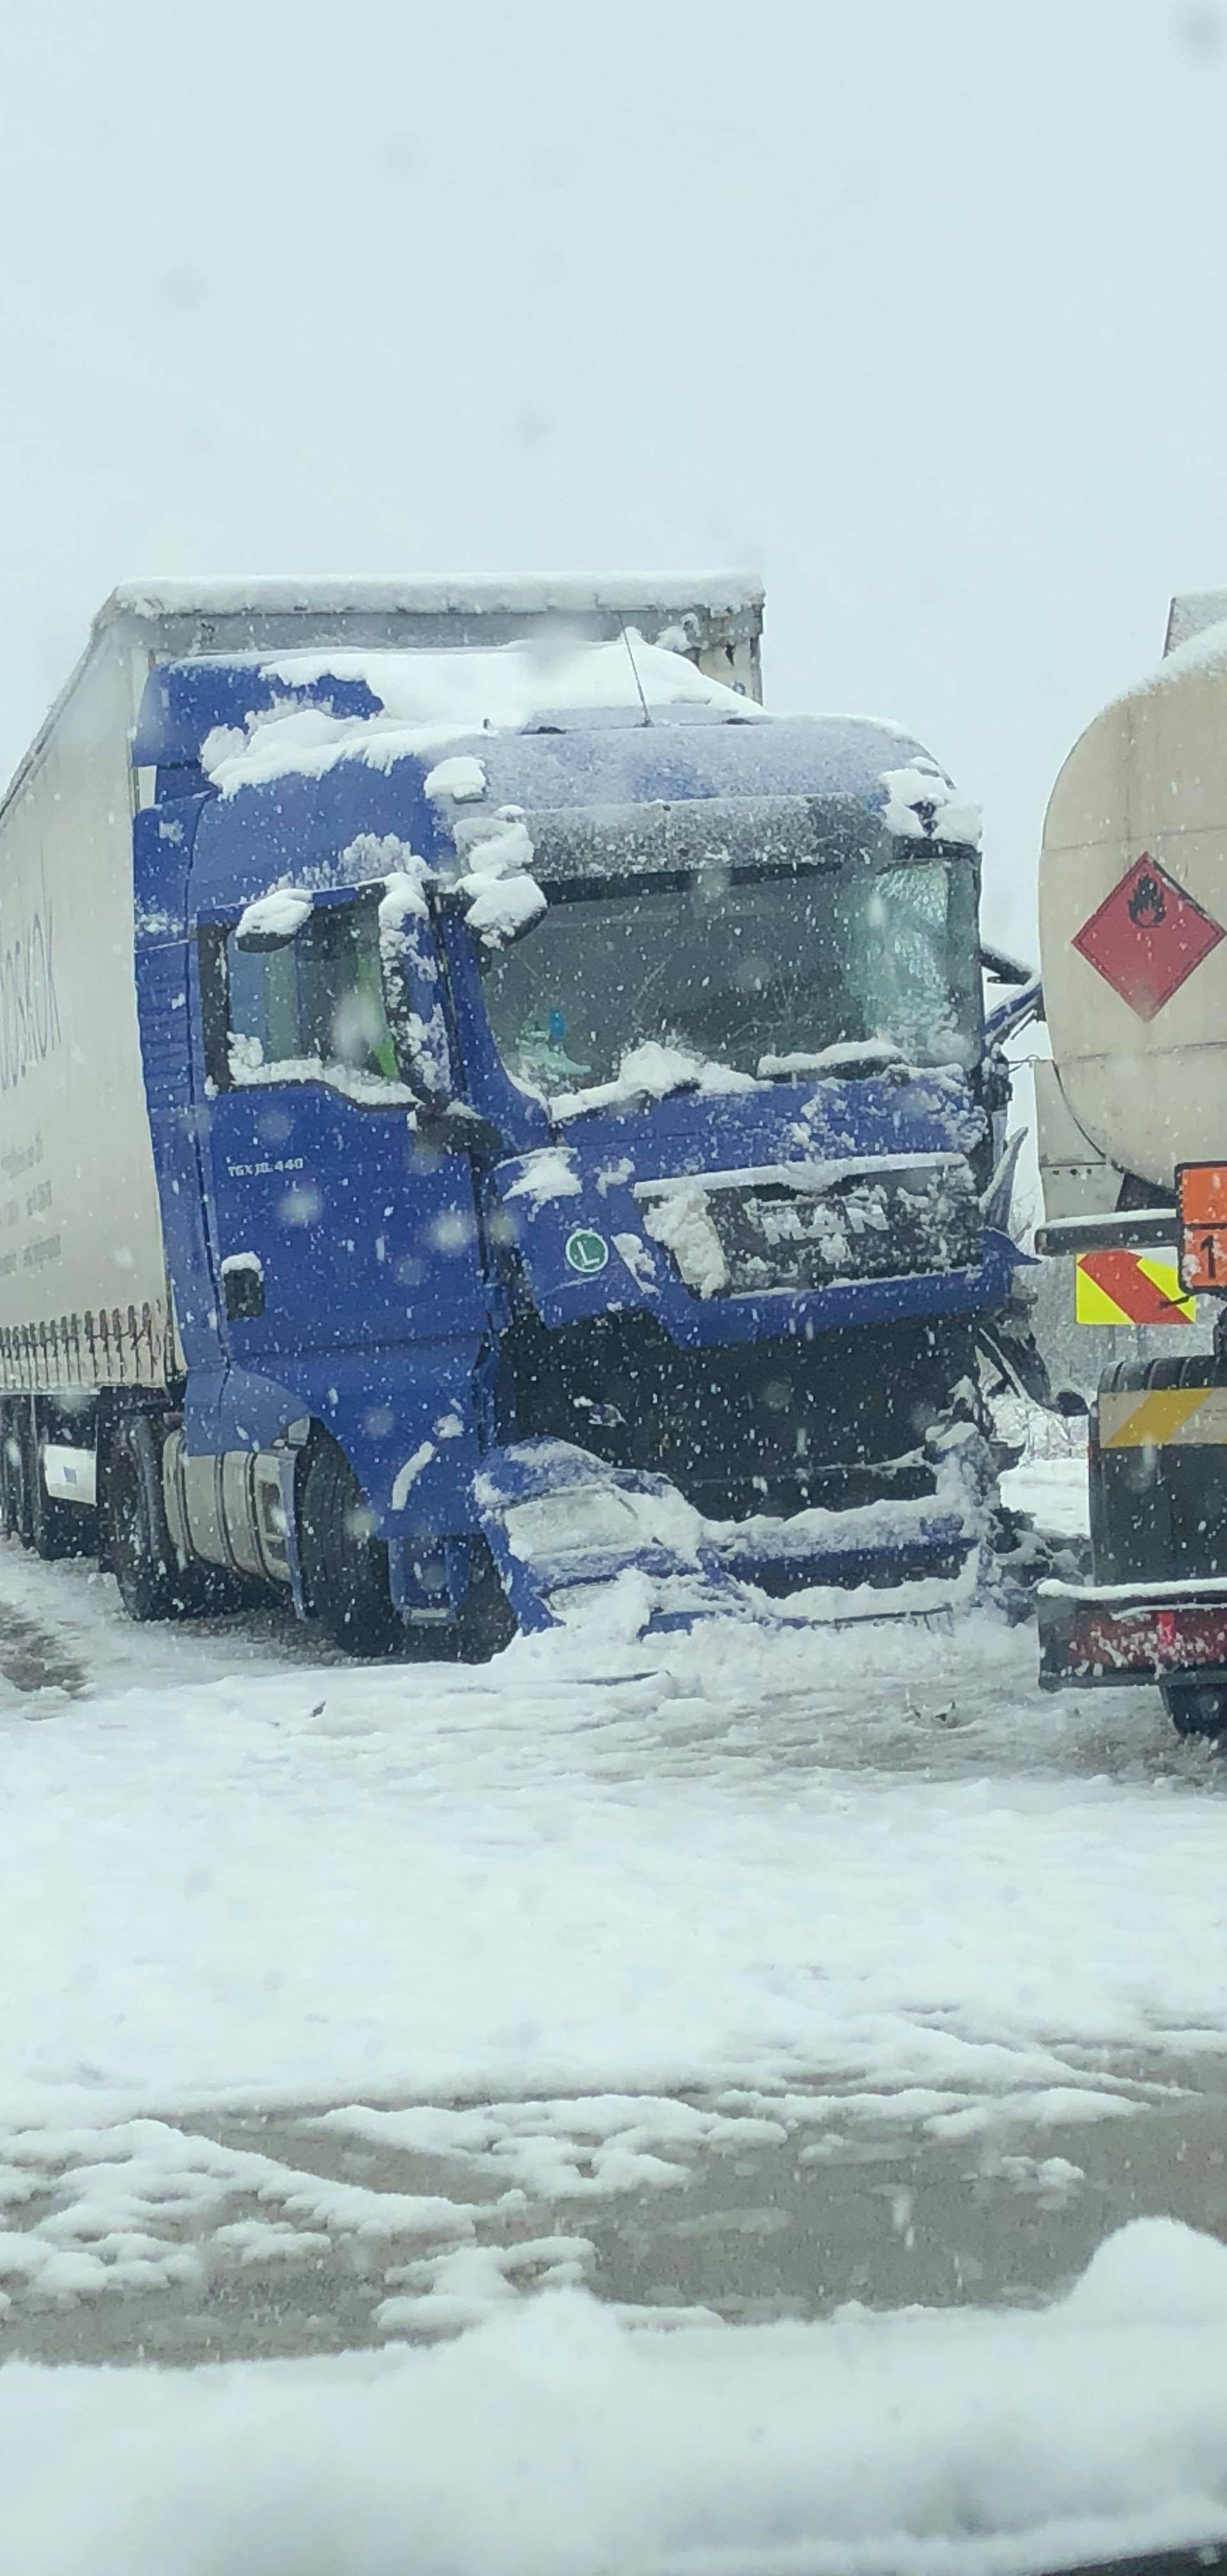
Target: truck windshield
(737, 964)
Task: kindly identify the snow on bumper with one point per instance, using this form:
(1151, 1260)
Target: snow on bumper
(563, 1525)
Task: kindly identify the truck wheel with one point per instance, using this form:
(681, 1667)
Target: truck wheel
(139, 1549)
(345, 1567)
(1196, 1708)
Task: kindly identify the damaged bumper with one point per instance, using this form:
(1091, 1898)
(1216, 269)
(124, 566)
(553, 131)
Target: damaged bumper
(563, 1526)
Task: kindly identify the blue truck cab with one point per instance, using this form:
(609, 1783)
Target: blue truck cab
(571, 1132)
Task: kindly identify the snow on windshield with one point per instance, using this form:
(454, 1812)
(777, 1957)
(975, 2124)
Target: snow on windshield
(651, 1072)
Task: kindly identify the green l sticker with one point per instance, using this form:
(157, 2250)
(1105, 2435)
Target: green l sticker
(587, 1251)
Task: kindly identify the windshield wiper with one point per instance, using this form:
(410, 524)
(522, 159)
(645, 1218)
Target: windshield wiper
(851, 1058)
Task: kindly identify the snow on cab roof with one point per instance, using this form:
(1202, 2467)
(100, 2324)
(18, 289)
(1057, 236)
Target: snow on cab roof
(250, 720)
(296, 714)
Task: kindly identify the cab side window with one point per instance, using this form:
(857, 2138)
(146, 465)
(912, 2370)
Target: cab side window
(310, 1010)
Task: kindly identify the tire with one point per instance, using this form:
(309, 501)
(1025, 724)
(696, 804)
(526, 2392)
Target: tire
(140, 1552)
(345, 1567)
(1196, 1708)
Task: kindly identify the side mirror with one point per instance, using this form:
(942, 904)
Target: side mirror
(413, 994)
(1068, 1401)
(1003, 968)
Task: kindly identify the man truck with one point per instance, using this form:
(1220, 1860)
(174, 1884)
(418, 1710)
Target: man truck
(488, 1111)
(1133, 1149)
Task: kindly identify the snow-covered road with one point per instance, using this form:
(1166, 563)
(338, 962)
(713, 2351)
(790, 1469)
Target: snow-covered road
(557, 1922)
(877, 1858)
(345, 2005)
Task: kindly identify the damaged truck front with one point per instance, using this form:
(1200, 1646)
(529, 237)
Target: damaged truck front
(572, 1131)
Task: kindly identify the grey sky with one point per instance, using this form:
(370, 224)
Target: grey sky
(916, 304)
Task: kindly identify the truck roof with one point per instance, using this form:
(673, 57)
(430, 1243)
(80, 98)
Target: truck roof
(287, 708)
(569, 731)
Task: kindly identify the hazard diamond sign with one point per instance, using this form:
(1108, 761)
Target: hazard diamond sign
(1147, 936)
(1129, 1288)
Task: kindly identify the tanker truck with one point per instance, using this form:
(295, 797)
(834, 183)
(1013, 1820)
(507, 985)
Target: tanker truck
(1132, 1120)
(489, 1114)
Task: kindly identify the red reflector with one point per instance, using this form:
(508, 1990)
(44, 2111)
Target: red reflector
(1165, 1628)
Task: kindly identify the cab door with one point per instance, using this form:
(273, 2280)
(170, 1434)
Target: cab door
(331, 1229)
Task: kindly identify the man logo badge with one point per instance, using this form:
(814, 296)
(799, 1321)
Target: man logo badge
(587, 1251)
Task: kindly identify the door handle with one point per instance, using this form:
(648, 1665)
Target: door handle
(242, 1287)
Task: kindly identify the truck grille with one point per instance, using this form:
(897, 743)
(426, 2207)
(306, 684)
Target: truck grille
(771, 1425)
(737, 1234)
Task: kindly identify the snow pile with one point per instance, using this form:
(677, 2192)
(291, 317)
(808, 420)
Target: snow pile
(248, 1070)
(849, 1056)
(122, 2197)
(502, 898)
(549, 1173)
(650, 1072)
(462, 778)
(412, 993)
(681, 1220)
(1054, 1491)
(275, 916)
(634, 1252)
(403, 899)
(556, 2439)
(922, 804)
(427, 699)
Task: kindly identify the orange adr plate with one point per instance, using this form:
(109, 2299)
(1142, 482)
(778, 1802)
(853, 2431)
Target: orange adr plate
(1201, 1203)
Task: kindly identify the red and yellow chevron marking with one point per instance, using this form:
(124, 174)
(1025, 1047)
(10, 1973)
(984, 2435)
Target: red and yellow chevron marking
(1129, 1288)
